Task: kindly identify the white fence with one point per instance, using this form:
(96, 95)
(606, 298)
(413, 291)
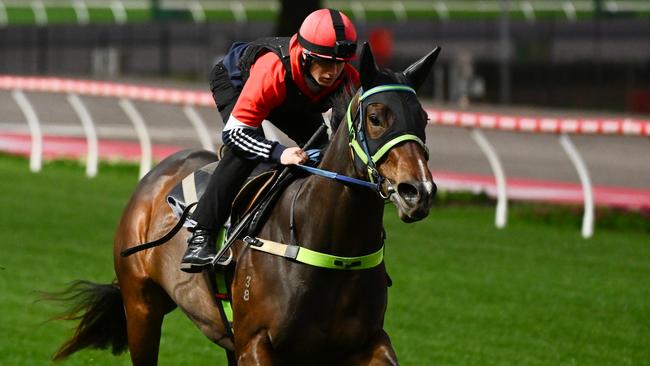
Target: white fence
(562, 127)
(124, 93)
(360, 8)
(188, 100)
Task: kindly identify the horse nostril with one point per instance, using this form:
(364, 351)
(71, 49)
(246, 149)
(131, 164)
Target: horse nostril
(408, 192)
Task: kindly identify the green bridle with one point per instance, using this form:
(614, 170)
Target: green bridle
(359, 146)
(358, 140)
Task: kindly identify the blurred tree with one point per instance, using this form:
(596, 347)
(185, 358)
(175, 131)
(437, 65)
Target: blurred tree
(291, 15)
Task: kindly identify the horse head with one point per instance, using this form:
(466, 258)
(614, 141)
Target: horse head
(387, 133)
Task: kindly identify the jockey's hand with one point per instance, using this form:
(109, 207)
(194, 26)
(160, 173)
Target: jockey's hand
(293, 155)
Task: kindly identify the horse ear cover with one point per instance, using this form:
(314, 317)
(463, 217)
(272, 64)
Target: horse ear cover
(368, 68)
(420, 69)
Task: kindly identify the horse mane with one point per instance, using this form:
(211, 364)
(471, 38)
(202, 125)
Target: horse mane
(340, 101)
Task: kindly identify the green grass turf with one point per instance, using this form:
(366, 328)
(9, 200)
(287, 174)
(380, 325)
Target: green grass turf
(464, 293)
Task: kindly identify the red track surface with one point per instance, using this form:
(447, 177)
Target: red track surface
(57, 147)
(547, 191)
(520, 189)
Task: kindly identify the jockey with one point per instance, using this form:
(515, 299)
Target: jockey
(288, 81)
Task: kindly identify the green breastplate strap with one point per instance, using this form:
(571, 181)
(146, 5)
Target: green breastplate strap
(314, 258)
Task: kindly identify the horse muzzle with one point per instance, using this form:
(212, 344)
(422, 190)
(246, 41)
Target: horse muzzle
(413, 199)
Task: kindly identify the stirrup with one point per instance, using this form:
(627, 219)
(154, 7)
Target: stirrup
(226, 259)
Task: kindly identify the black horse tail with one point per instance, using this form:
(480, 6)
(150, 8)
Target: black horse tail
(100, 309)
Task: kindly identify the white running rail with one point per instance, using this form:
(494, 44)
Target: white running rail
(4, 18)
(474, 121)
(81, 12)
(40, 15)
(92, 153)
(36, 154)
(499, 176)
(124, 93)
(360, 8)
(143, 135)
(119, 11)
(560, 126)
(199, 126)
(578, 162)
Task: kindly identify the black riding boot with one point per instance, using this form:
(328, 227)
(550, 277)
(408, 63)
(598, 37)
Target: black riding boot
(212, 212)
(201, 250)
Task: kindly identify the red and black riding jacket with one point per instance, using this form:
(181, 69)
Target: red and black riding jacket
(272, 77)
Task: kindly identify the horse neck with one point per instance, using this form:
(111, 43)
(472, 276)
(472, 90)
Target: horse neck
(350, 216)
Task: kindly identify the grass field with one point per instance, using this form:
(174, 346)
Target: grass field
(464, 293)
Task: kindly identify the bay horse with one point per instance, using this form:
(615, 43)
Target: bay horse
(285, 312)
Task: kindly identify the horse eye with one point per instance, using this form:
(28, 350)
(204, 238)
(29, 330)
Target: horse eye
(374, 120)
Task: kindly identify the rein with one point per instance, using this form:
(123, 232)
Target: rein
(358, 143)
(339, 177)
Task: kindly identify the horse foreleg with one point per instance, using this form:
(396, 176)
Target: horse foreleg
(256, 352)
(379, 353)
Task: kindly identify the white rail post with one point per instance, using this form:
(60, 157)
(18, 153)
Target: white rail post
(499, 176)
(119, 11)
(81, 11)
(4, 18)
(442, 10)
(358, 11)
(585, 180)
(199, 127)
(399, 10)
(91, 135)
(143, 135)
(238, 11)
(569, 10)
(36, 153)
(40, 15)
(612, 6)
(197, 11)
(528, 10)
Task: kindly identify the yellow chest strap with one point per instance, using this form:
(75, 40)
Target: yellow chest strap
(314, 258)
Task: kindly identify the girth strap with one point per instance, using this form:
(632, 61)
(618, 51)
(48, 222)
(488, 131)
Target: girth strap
(314, 258)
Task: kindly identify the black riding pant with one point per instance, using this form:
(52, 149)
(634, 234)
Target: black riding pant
(214, 206)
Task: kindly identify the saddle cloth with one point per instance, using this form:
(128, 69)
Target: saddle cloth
(193, 186)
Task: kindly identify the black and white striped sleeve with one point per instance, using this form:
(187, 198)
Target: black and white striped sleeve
(249, 143)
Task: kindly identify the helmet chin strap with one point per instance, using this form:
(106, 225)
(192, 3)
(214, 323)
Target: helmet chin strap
(312, 84)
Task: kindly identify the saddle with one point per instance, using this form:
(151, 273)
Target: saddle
(193, 186)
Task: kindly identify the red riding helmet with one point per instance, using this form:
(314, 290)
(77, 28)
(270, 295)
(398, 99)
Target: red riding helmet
(328, 34)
